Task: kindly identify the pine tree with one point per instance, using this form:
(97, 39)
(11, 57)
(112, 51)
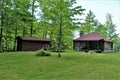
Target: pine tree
(111, 28)
(90, 23)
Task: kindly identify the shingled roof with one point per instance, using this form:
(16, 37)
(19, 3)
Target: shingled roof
(92, 37)
(34, 39)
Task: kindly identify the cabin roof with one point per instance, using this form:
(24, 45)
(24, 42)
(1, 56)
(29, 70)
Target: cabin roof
(92, 37)
(34, 39)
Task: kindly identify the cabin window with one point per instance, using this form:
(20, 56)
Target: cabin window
(46, 46)
(83, 46)
(77, 44)
(107, 46)
(93, 45)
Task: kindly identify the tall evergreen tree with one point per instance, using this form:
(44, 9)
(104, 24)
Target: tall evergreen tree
(111, 28)
(100, 28)
(90, 23)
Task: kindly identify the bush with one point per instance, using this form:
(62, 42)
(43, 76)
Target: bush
(42, 53)
(117, 48)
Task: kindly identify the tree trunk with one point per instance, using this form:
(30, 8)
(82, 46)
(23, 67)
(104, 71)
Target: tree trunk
(2, 24)
(59, 40)
(1, 39)
(45, 33)
(15, 41)
(31, 29)
(23, 31)
(60, 32)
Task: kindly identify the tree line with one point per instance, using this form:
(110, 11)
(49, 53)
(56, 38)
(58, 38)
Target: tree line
(54, 19)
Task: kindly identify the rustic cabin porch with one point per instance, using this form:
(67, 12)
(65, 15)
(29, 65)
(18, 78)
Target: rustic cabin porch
(92, 41)
(97, 46)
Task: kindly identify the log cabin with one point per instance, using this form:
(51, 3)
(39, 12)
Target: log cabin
(32, 44)
(92, 41)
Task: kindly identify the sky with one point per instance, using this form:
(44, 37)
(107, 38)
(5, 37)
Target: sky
(101, 7)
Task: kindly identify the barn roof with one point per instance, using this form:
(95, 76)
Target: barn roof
(92, 37)
(34, 39)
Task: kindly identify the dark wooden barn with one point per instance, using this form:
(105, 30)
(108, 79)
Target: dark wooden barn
(31, 44)
(92, 41)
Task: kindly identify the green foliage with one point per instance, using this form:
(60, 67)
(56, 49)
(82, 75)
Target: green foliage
(42, 52)
(101, 29)
(39, 18)
(53, 19)
(111, 29)
(93, 25)
(16, 21)
(90, 23)
(117, 48)
(58, 24)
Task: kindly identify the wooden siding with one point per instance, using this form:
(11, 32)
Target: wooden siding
(92, 45)
(31, 45)
(92, 41)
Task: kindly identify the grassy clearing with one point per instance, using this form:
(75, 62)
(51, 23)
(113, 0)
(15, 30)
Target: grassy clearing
(71, 66)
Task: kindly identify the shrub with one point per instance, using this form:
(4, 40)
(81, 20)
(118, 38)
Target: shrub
(42, 53)
(117, 48)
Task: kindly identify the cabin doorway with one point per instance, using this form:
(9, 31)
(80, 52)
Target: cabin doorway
(93, 45)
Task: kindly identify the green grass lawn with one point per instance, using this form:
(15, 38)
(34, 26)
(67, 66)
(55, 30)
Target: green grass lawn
(72, 65)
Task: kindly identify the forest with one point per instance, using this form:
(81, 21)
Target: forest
(54, 19)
